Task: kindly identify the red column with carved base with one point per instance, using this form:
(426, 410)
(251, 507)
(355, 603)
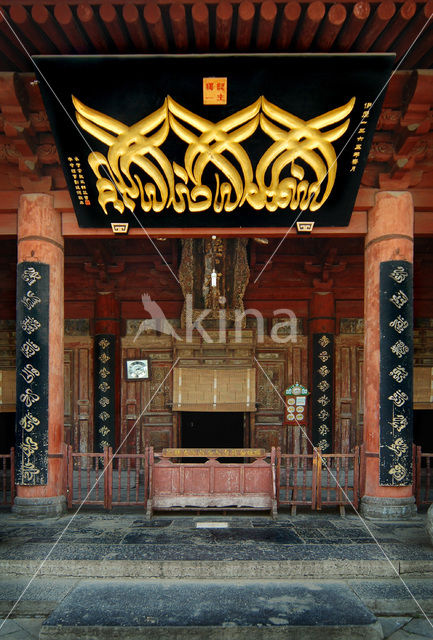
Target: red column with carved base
(389, 237)
(40, 241)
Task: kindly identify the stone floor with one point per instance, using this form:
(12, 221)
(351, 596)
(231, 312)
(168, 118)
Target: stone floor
(388, 566)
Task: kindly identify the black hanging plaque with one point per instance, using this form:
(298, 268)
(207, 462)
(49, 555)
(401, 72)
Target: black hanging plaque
(105, 410)
(214, 141)
(322, 393)
(32, 322)
(396, 373)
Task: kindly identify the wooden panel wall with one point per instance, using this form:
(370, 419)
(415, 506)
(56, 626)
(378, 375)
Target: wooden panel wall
(348, 421)
(276, 369)
(79, 393)
(146, 416)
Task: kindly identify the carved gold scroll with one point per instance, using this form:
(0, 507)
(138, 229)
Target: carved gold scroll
(296, 171)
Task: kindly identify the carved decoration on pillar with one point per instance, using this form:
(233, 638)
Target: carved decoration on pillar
(105, 387)
(322, 393)
(214, 273)
(396, 371)
(33, 294)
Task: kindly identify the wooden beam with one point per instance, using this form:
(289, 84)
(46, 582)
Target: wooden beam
(358, 226)
(267, 15)
(376, 24)
(109, 17)
(11, 48)
(331, 27)
(393, 30)
(422, 47)
(246, 14)
(310, 23)
(49, 26)
(357, 19)
(21, 19)
(178, 26)
(288, 24)
(66, 20)
(132, 21)
(224, 17)
(90, 23)
(417, 23)
(153, 18)
(200, 21)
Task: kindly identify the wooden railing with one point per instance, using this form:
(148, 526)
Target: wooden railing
(100, 479)
(318, 479)
(309, 480)
(7, 476)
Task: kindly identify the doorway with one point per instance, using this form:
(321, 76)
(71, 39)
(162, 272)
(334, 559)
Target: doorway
(422, 429)
(212, 429)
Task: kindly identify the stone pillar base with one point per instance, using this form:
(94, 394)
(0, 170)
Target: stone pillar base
(388, 508)
(39, 507)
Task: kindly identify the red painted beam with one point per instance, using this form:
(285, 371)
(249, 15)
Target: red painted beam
(132, 21)
(109, 17)
(357, 19)
(331, 27)
(267, 15)
(49, 26)
(155, 25)
(246, 13)
(200, 21)
(224, 17)
(90, 23)
(288, 24)
(310, 23)
(67, 22)
(178, 26)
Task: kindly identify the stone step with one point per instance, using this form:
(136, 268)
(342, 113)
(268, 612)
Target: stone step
(215, 610)
(316, 569)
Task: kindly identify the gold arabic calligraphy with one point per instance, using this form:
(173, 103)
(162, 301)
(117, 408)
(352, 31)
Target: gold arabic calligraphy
(297, 170)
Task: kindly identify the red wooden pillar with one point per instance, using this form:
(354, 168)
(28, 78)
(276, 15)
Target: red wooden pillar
(322, 311)
(389, 237)
(40, 241)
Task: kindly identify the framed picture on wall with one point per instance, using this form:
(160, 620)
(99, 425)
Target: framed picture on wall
(137, 369)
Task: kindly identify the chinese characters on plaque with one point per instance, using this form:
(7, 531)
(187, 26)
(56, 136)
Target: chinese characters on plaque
(322, 391)
(396, 362)
(31, 429)
(295, 411)
(104, 413)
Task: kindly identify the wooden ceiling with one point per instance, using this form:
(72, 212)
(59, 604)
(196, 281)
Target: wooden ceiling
(176, 26)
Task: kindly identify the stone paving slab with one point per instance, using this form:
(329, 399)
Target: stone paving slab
(393, 597)
(306, 545)
(421, 626)
(21, 629)
(318, 569)
(210, 609)
(392, 624)
(36, 597)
